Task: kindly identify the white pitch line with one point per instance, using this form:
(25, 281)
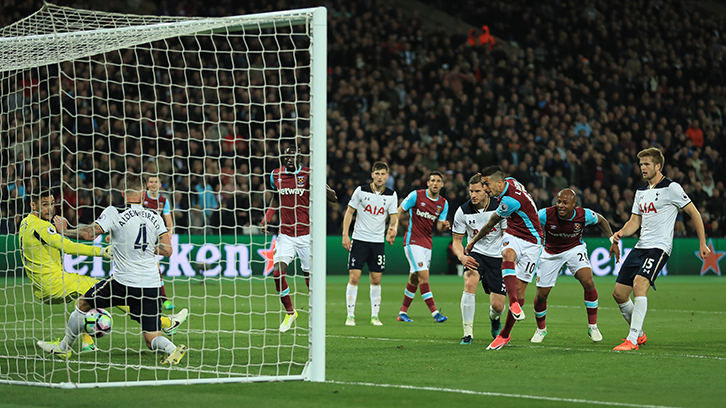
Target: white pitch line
(499, 394)
(532, 347)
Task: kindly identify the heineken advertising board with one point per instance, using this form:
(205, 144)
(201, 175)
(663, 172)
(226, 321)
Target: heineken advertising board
(240, 257)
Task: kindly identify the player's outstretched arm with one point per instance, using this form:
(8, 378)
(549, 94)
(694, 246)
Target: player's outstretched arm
(61, 243)
(695, 215)
(604, 225)
(347, 219)
(269, 214)
(493, 220)
(629, 228)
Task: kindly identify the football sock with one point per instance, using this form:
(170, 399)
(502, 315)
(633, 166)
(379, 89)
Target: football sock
(161, 343)
(86, 338)
(540, 314)
(591, 304)
(468, 308)
(408, 295)
(351, 294)
(283, 291)
(493, 314)
(375, 294)
(307, 282)
(510, 280)
(626, 309)
(73, 329)
(639, 311)
(428, 297)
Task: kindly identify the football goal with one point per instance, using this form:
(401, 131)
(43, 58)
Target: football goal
(204, 108)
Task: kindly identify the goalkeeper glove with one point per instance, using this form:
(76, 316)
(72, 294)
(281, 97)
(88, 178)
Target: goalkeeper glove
(107, 252)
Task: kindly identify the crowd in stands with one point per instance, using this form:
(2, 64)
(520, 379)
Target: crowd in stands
(586, 86)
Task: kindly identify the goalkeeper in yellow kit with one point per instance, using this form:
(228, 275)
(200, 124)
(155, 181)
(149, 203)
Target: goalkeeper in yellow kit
(41, 245)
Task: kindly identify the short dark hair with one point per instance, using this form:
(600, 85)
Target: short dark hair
(40, 193)
(493, 171)
(379, 165)
(475, 179)
(435, 173)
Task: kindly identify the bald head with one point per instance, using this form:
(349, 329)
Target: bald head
(565, 203)
(568, 194)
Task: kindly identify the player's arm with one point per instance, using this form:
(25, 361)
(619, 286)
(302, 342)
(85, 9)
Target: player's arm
(443, 224)
(392, 228)
(493, 220)
(85, 232)
(347, 219)
(458, 248)
(65, 245)
(164, 246)
(695, 215)
(604, 226)
(167, 217)
(629, 228)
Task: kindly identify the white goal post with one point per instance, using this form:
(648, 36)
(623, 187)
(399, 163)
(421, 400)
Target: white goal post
(205, 105)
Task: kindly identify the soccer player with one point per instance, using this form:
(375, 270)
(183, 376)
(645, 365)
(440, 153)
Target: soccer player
(521, 242)
(41, 245)
(292, 183)
(138, 235)
(654, 211)
(374, 203)
(562, 225)
(154, 200)
(424, 208)
(484, 263)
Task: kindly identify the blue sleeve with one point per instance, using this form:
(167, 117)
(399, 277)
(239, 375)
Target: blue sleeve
(409, 201)
(272, 181)
(445, 213)
(507, 206)
(542, 216)
(167, 208)
(590, 217)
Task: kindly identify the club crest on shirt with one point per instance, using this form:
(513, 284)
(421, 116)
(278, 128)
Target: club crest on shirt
(300, 181)
(439, 209)
(420, 264)
(577, 226)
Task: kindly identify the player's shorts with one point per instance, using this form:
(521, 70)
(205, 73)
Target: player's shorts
(64, 288)
(551, 264)
(371, 253)
(144, 303)
(287, 247)
(527, 256)
(490, 273)
(419, 258)
(643, 262)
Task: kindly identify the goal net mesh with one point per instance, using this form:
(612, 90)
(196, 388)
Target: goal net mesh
(205, 105)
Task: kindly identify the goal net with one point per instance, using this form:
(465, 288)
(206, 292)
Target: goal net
(203, 107)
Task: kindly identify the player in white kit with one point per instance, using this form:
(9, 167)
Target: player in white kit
(654, 211)
(138, 234)
(374, 203)
(484, 263)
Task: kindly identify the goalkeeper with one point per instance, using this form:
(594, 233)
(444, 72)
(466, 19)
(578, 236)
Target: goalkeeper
(41, 245)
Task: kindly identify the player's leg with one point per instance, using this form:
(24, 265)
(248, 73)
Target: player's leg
(375, 295)
(412, 285)
(509, 277)
(351, 295)
(547, 271)
(468, 304)
(490, 271)
(302, 249)
(428, 296)
(167, 303)
(624, 286)
(74, 286)
(584, 275)
(653, 262)
(504, 336)
(149, 304)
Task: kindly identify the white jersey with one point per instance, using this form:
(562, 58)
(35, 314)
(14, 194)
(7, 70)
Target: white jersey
(468, 221)
(134, 235)
(659, 207)
(373, 209)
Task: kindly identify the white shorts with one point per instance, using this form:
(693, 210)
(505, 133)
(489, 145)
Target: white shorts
(527, 256)
(418, 257)
(286, 248)
(551, 264)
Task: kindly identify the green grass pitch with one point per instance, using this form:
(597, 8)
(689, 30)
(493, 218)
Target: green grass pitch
(422, 363)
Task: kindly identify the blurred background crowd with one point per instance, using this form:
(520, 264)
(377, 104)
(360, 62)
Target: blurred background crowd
(565, 95)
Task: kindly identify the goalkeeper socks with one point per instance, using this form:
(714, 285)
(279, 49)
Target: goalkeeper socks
(74, 328)
(468, 309)
(86, 338)
(591, 304)
(540, 314)
(161, 343)
(428, 297)
(626, 309)
(375, 294)
(636, 325)
(351, 294)
(408, 295)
